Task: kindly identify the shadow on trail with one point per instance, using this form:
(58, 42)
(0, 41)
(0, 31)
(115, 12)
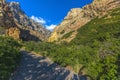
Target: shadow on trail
(34, 67)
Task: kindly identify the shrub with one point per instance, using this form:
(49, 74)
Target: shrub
(9, 56)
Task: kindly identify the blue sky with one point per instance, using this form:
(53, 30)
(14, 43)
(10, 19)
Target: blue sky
(49, 12)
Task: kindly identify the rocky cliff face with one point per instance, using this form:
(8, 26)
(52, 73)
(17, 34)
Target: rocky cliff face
(78, 17)
(6, 18)
(12, 17)
(23, 21)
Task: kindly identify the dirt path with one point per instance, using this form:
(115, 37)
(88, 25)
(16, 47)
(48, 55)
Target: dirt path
(34, 67)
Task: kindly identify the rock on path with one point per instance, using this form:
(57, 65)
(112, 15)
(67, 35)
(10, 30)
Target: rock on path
(34, 67)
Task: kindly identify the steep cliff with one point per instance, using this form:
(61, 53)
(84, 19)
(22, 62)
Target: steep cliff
(23, 21)
(6, 18)
(78, 17)
(12, 17)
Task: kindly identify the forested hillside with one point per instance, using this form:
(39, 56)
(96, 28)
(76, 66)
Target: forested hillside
(95, 51)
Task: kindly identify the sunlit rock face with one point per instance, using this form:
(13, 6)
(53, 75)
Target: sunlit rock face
(12, 17)
(6, 19)
(77, 17)
(13, 32)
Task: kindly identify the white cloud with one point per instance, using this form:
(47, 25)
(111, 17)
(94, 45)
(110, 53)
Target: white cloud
(50, 27)
(43, 21)
(38, 19)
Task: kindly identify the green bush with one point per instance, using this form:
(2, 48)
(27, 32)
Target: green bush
(9, 56)
(67, 35)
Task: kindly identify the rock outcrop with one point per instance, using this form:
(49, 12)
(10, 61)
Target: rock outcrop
(12, 18)
(13, 32)
(6, 18)
(78, 17)
(23, 21)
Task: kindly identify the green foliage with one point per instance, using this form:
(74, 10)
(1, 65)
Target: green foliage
(96, 47)
(67, 35)
(9, 56)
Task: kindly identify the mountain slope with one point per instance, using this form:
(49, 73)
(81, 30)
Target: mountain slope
(19, 25)
(78, 17)
(99, 42)
(23, 21)
(95, 51)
